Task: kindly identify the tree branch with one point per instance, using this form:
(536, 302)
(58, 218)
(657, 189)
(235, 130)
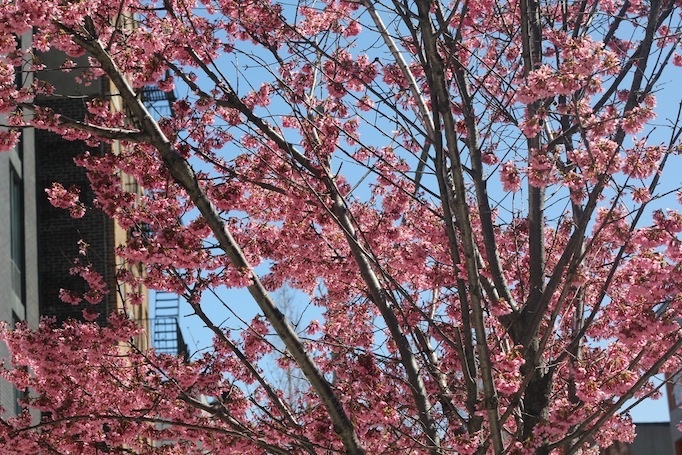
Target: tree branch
(183, 174)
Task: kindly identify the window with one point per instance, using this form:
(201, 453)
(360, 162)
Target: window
(18, 76)
(16, 195)
(18, 395)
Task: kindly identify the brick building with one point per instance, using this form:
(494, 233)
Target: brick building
(58, 232)
(38, 243)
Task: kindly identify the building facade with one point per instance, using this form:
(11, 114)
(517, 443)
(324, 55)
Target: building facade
(19, 280)
(38, 242)
(675, 407)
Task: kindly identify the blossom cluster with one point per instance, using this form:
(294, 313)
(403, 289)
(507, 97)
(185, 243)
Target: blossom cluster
(466, 197)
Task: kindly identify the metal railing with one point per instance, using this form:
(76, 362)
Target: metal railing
(166, 334)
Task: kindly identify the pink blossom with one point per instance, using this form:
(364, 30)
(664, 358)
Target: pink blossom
(641, 195)
(8, 140)
(349, 152)
(510, 176)
(66, 199)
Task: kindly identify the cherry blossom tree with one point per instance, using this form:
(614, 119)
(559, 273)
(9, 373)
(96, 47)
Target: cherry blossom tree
(473, 195)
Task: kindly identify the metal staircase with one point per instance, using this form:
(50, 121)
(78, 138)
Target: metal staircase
(157, 101)
(167, 337)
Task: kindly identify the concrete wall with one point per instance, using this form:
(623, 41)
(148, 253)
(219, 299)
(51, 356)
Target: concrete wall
(24, 304)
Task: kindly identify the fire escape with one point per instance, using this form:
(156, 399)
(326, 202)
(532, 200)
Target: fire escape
(166, 334)
(167, 337)
(157, 101)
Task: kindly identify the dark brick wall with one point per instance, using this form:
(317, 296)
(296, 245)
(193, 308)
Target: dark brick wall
(58, 233)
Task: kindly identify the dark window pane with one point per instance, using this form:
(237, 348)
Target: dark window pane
(17, 233)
